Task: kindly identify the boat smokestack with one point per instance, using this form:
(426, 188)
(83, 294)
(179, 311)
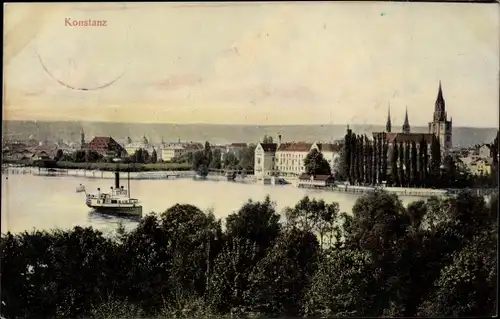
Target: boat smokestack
(279, 139)
(117, 180)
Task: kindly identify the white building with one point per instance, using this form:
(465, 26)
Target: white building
(290, 158)
(484, 151)
(133, 147)
(287, 159)
(265, 159)
(177, 149)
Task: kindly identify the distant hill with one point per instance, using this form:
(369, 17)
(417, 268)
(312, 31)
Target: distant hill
(215, 134)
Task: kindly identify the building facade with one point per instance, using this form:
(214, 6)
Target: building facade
(265, 158)
(173, 150)
(440, 126)
(106, 146)
(290, 158)
(144, 144)
(287, 159)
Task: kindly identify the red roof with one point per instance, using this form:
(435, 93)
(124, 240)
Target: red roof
(269, 147)
(104, 144)
(405, 137)
(295, 147)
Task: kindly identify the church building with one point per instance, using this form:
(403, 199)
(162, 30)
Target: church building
(439, 127)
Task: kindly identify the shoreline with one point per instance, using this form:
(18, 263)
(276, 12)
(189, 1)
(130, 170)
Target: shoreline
(249, 179)
(106, 167)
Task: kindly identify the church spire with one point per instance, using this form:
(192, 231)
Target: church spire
(388, 125)
(406, 125)
(439, 107)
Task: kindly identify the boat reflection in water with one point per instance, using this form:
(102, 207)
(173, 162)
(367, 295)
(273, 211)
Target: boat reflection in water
(118, 218)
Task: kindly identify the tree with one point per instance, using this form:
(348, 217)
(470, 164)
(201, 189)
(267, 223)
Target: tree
(230, 160)
(364, 155)
(383, 157)
(435, 163)
(249, 234)
(347, 156)
(207, 154)
(401, 165)
(267, 139)
(407, 161)
(494, 155)
(280, 280)
(369, 163)
(375, 159)
(432, 259)
(449, 172)
(247, 158)
(315, 164)
(255, 221)
(198, 160)
(359, 159)
(59, 155)
(216, 162)
(154, 157)
(202, 160)
(394, 164)
(333, 292)
(317, 217)
(140, 156)
(467, 287)
(353, 168)
(341, 163)
(425, 163)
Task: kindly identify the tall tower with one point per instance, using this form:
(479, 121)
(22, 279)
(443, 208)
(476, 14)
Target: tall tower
(406, 125)
(388, 125)
(440, 126)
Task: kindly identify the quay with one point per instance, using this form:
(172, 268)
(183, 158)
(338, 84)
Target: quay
(158, 175)
(246, 179)
(400, 191)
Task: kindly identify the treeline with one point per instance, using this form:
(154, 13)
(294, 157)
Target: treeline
(213, 158)
(141, 156)
(434, 258)
(406, 164)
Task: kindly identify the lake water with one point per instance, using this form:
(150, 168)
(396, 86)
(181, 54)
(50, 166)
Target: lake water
(30, 201)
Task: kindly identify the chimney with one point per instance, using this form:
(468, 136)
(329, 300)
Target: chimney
(279, 139)
(117, 180)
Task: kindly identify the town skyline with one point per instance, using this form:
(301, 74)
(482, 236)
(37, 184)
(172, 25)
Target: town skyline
(278, 64)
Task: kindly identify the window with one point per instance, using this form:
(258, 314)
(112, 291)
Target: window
(258, 160)
(448, 138)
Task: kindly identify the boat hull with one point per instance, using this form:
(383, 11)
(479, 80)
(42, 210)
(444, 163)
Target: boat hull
(114, 210)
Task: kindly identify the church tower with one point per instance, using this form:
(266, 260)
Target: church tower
(406, 124)
(388, 125)
(440, 126)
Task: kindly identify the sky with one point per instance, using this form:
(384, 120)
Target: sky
(252, 63)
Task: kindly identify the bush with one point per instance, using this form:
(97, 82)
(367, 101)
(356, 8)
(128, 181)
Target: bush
(434, 258)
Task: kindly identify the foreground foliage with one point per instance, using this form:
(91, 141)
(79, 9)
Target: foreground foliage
(433, 258)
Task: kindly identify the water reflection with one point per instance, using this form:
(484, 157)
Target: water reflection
(112, 218)
(53, 202)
